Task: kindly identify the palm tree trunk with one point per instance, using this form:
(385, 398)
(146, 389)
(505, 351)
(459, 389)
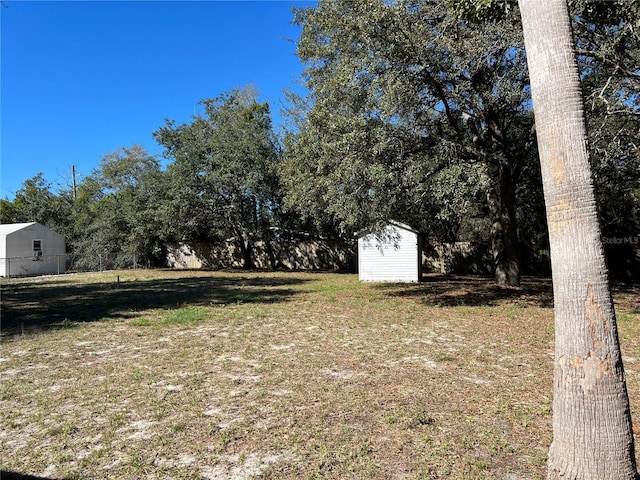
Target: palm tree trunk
(592, 431)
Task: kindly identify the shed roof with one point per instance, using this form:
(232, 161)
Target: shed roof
(7, 228)
(401, 226)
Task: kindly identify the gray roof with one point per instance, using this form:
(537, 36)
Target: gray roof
(7, 228)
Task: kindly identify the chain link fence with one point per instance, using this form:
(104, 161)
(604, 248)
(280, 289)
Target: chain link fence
(28, 266)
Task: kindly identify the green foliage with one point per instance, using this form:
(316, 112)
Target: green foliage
(418, 111)
(222, 182)
(7, 211)
(126, 168)
(481, 11)
(608, 47)
(36, 201)
(115, 213)
(405, 100)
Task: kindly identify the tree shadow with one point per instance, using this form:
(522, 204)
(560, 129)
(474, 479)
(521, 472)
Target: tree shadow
(55, 304)
(6, 475)
(627, 297)
(458, 290)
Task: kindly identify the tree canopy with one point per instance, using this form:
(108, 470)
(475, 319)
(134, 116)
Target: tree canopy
(404, 97)
(417, 111)
(417, 114)
(223, 180)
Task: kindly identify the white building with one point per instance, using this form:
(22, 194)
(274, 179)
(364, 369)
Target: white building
(390, 255)
(28, 249)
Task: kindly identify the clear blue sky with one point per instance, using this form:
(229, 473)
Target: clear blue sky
(80, 79)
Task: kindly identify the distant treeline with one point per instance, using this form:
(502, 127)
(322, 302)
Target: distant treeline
(411, 115)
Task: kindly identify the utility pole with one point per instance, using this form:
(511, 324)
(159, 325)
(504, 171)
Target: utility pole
(73, 176)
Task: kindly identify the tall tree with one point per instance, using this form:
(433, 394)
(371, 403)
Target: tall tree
(36, 201)
(115, 214)
(592, 431)
(7, 211)
(608, 50)
(402, 91)
(223, 177)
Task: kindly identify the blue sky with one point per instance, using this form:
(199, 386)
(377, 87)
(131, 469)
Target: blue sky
(80, 79)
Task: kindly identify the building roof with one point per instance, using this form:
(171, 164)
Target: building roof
(403, 226)
(7, 228)
(393, 223)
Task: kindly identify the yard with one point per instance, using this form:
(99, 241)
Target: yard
(235, 375)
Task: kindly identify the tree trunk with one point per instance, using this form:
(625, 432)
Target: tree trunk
(273, 261)
(504, 234)
(247, 251)
(592, 435)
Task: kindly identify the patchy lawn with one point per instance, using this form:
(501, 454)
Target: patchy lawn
(214, 375)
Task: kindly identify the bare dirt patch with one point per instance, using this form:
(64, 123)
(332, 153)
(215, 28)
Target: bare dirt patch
(284, 376)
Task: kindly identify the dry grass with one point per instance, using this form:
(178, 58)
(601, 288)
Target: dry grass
(281, 376)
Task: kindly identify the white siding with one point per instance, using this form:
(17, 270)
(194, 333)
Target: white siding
(4, 268)
(17, 248)
(389, 256)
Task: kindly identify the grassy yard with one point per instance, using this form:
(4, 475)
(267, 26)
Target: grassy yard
(232, 375)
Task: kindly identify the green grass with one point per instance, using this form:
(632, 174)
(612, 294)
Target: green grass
(281, 376)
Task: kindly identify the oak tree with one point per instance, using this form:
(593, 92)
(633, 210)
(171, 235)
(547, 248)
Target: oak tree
(404, 95)
(223, 181)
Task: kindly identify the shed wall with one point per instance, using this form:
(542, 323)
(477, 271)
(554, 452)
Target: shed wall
(389, 256)
(19, 260)
(4, 271)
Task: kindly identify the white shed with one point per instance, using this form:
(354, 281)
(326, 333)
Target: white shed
(389, 255)
(28, 249)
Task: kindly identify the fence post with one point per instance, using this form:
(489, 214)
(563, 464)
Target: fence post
(100, 260)
(58, 258)
(8, 267)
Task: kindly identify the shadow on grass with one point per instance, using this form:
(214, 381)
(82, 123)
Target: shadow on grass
(5, 475)
(58, 304)
(456, 290)
(627, 296)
